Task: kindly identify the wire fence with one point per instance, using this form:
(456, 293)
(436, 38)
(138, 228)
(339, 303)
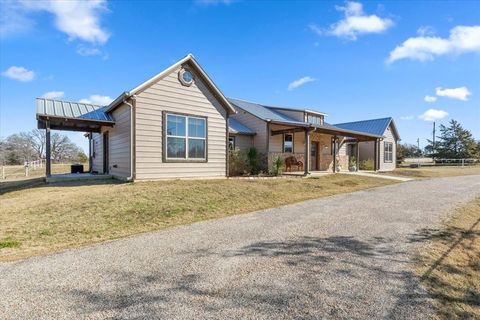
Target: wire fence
(420, 162)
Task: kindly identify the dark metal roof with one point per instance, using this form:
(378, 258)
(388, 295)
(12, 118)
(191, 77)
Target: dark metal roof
(74, 110)
(373, 126)
(263, 112)
(236, 127)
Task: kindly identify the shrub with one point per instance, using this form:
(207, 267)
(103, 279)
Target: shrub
(253, 161)
(237, 162)
(366, 164)
(277, 166)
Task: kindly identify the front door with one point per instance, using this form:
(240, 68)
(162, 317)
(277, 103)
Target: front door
(313, 156)
(105, 152)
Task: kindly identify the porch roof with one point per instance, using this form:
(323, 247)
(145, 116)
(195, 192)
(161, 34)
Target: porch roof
(71, 116)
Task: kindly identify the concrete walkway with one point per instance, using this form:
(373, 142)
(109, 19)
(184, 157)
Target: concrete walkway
(381, 176)
(345, 256)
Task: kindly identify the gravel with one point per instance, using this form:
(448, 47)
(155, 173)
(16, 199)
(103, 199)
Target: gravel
(344, 256)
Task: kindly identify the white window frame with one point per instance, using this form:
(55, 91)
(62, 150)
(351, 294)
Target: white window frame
(186, 137)
(387, 155)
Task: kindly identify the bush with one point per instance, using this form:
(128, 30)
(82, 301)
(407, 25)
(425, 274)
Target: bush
(253, 161)
(237, 162)
(366, 164)
(277, 166)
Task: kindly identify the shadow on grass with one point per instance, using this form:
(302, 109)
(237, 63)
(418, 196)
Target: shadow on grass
(440, 275)
(11, 186)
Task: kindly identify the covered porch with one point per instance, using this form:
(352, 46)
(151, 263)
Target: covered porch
(70, 116)
(319, 148)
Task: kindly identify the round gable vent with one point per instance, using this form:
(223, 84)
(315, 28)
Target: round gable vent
(186, 77)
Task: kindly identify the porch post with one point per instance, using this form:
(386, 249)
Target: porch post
(48, 170)
(306, 165)
(375, 151)
(90, 159)
(357, 155)
(334, 154)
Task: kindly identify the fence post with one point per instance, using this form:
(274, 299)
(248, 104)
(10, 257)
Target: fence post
(26, 170)
(3, 172)
(463, 162)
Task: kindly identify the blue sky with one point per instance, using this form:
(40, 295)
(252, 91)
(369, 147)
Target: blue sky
(352, 60)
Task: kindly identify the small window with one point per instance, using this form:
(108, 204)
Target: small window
(388, 151)
(231, 143)
(288, 143)
(314, 119)
(186, 137)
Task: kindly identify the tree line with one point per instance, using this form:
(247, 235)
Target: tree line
(453, 142)
(29, 146)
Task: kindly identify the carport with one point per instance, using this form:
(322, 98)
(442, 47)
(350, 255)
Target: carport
(69, 116)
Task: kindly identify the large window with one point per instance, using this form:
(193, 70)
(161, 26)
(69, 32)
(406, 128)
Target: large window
(288, 142)
(186, 137)
(388, 151)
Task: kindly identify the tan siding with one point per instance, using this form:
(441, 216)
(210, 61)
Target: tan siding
(388, 166)
(168, 94)
(255, 124)
(119, 139)
(243, 142)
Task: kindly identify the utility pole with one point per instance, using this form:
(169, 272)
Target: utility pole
(433, 139)
(418, 156)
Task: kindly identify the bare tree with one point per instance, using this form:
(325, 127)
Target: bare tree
(37, 138)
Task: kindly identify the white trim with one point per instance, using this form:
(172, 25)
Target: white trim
(186, 137)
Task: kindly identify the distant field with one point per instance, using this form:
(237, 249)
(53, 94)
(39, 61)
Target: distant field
(434, 172)
(18, 172)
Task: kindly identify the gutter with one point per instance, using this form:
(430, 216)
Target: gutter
(132, 131)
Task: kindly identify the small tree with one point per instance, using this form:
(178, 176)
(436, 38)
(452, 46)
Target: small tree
(407, 151)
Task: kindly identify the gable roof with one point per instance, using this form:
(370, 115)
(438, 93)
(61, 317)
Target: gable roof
(236, 127)
(373, 126)
(193, 63)
(264, 113)
(71, 110)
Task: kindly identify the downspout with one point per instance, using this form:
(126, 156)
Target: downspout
(132, 131)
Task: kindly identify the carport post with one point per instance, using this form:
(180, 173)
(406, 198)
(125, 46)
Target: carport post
(375, 156)
(334, 153)
(48, 170)
(357, 155)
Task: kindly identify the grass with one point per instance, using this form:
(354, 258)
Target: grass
(18, 172)
(449, 265)
(435, 172)
(54, 217)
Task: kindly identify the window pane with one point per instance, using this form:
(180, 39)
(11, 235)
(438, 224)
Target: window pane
(196, 148)
(288, 143)
(176, 125)
(175, 147)
(196, 127)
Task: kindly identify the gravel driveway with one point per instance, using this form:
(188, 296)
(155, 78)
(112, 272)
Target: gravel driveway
(344, 256)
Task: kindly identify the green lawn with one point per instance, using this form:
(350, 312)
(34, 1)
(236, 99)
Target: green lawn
(49, 218)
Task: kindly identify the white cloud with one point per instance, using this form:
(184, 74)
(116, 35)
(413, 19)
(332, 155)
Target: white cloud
(406, 118)
(13, 19)
(97, 99)
(462, 39)
(300, 82)
(19, 73)
(460, 93)
(78, 19)
(426, 31)
(84, 51)
(355, 23)
(430, 98)
(53, 94)
(433, 114)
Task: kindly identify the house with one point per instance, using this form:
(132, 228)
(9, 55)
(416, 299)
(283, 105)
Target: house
(387, 147)
(178, 124)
